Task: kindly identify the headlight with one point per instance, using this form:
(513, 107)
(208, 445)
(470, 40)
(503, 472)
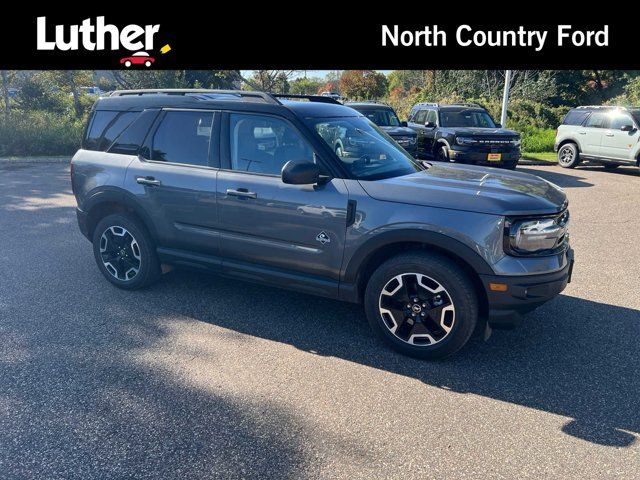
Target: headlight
(537, 236)
(465, 140)
(404, 141)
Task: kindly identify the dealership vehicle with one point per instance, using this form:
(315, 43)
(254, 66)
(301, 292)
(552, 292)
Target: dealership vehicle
(334, 95)
(607, 135)
(138, 58)
(386, 118)
(185, 177)
(463, 133)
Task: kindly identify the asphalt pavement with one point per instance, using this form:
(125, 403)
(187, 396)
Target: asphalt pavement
(203, 377)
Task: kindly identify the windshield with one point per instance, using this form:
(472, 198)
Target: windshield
(466, 118)
(365, 150)
(383, 117)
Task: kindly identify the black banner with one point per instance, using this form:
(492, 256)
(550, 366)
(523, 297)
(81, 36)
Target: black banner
(409, 37)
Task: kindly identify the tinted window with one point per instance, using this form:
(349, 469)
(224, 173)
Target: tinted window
(183, 137)
(575, 117)
(597, 120)
(431, 117)
(383, 117)
(131, 139)
(620, 121)
(466, 118)
(262, 144)
(420, 117)
(105, 128)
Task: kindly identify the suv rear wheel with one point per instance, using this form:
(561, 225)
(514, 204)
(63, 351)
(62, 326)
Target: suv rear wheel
(442, 153)
(125, 253)
(422, 305)
(568, 155)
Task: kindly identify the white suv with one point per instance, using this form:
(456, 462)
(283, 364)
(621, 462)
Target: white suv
(605, 135)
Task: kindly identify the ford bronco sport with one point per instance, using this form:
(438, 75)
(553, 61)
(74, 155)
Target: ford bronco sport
(601, 134)
(248, 185)
(463, 133)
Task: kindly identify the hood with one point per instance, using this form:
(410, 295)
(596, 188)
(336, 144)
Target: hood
(472, 131)
(399, 131)
(471, 188)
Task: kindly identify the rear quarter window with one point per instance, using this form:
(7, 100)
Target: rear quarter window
(104, 127)
(575, 117)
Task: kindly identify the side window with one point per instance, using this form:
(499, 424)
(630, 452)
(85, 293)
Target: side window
(130, 141)
(620, 121)
(597, 120)
(575, 117)
(432, 117)
(420, 117)
(183, 137)
(105, 128)
(263, 144)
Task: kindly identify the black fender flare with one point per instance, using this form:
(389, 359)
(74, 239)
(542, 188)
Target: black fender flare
(442, 242)
(107, 194)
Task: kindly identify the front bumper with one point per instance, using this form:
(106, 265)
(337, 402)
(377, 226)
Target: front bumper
(523, 293)
(480, 156)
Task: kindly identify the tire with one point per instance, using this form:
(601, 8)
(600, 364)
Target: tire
(568, 155)
(449, 320)
(511, 166)
(147, 64)
(610, 166)
(127, 63)
(125, 252)
(441, 153)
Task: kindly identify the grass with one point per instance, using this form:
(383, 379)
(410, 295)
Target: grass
(544, 156)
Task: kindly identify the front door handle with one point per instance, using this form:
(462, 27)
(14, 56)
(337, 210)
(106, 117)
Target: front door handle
(582, 133)
(241, 193)
(148, 181)
(609, 134)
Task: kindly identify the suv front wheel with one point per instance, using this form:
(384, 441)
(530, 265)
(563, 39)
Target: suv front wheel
(125, 253)
(422, 305)
(568, 155)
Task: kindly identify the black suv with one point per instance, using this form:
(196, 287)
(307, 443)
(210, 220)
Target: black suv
(463, 133)
(386, 118)
(249, 185)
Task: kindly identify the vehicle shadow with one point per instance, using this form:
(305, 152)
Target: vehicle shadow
(571, 357)
(561, 179)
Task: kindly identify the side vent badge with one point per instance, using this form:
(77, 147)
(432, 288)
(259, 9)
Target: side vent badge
(323, 238)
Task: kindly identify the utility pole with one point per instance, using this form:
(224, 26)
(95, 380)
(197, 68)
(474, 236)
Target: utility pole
(505, 98)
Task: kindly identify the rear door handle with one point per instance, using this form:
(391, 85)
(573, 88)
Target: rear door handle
(241, 193)
(148, 181)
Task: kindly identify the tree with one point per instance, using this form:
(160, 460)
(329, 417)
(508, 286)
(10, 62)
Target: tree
(363, 84)
(269, 80)
(6, 80)
(70, 81)
(136, 79)
(305, 86)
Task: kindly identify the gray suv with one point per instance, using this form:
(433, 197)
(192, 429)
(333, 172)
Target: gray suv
(599, 134)
(248, 185)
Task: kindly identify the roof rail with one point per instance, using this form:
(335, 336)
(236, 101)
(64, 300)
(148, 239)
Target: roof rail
(376, 102)
(242, 94)
(603, 106)
(426, 104)
(468, 104)
(311, 98)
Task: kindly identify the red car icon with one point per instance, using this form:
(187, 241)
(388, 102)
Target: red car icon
(138, 58)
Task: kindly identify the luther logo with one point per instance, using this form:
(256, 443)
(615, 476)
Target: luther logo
(323, 238)
(97, 35)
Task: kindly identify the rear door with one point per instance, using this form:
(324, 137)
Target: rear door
(591, 134)
(618, 144)
(174, 178)
(430, 133)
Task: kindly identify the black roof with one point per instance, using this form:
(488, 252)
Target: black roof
(137, 100)
(368, 105)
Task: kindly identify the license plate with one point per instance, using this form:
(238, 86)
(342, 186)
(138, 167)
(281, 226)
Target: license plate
(494, 157)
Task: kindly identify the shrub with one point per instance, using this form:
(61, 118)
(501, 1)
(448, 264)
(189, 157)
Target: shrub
(39, 133)
(537, 140)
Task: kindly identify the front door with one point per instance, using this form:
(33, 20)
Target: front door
(616, 143)
(268, 228)
(417, 123)
(591, 134)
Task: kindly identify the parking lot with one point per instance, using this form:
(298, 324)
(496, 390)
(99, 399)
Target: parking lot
(202, 377)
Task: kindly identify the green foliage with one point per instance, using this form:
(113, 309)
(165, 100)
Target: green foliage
(537, 140)
(630, 96)
(305, 86)
(363, 84)
(39, 133)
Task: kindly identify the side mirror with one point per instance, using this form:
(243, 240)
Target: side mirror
(300, 172)
(429, 125)
(404, 124)
(498, 125)
(627, 128)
